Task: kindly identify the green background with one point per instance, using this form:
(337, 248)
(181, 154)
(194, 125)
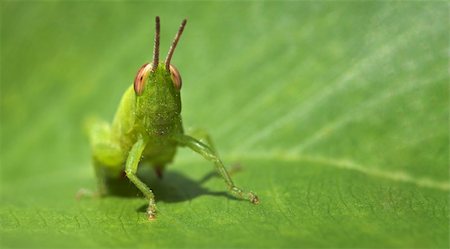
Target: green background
(338, 113)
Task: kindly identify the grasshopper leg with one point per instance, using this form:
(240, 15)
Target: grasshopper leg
(108, 156)
(210, 154)
(204, 137)
(131, 169)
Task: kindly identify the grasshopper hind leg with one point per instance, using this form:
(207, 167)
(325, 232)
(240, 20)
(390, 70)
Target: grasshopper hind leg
(108, 156)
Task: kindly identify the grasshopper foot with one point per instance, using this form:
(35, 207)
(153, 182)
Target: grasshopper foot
(253, 198)
(239, 193)
(151, 210)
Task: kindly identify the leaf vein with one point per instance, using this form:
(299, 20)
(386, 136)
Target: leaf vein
(397, 176)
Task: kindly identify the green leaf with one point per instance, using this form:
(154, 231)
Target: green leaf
(337, 112)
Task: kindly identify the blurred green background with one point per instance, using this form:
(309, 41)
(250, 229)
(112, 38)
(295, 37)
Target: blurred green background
(338, 113)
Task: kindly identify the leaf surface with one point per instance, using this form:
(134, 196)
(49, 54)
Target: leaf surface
(337, 112)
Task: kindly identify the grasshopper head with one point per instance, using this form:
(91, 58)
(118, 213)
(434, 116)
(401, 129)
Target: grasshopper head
(157, 85)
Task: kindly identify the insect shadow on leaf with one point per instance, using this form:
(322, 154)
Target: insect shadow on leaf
(176, 187)
(172, 188)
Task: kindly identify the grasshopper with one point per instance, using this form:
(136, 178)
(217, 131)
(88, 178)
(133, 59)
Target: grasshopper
(147, 128)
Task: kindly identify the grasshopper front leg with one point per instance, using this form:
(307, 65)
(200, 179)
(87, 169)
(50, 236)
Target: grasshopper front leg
(131, 169)
(210, 155)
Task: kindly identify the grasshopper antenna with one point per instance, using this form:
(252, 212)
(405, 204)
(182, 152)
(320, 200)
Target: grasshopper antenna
(156, 47)
(174, 44)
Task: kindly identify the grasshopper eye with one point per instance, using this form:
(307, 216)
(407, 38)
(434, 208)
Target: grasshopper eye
(176, 77)
(141, 77)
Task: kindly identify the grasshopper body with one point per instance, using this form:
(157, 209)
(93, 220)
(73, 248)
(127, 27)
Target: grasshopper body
(147, 128)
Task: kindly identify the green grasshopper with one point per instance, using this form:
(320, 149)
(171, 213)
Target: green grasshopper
(147, 127)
